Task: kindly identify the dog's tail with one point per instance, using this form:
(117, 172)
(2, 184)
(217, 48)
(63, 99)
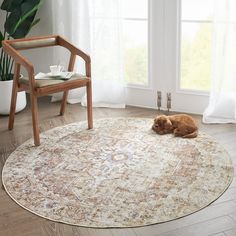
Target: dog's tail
(192, 135)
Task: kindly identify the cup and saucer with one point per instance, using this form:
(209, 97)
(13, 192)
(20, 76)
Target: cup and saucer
(56, 71)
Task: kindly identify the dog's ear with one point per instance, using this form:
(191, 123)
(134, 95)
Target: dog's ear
(161, 121)
(168, 123)
(156, 119)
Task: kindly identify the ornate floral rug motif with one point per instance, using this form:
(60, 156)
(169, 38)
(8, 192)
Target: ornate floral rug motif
(121, 174)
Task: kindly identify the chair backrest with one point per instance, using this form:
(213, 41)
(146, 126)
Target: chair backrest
(11, 47)
(24, 44)
(35, 43)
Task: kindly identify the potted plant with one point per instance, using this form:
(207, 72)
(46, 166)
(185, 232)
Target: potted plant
(19, 19)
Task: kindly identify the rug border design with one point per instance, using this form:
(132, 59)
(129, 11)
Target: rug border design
(231, 177)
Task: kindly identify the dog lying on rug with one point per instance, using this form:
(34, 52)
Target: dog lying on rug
(180, 125)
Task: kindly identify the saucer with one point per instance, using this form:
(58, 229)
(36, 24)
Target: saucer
(54, 75)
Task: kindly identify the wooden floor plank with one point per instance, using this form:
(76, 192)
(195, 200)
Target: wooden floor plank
(208, 213)
(229, 195)
(218, 234)
(203, 229)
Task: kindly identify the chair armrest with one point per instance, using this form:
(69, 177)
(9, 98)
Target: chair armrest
(74, 50)
(7, 48)
(19, 59)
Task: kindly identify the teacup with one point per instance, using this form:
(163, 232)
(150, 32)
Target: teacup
(56, 70)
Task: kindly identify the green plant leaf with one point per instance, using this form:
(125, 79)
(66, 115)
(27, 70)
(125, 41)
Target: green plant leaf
(11, 5)
(16, 21)
(24, 27)
(29, 5)
(20, 19)
(6, 65)
(35, 23)
(11, 21)
(1, 39)
(23, 30)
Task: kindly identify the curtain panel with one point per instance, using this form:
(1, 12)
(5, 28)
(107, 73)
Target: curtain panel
(95, 26)
(222, 103)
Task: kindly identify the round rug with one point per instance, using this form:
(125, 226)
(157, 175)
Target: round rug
(120, 174)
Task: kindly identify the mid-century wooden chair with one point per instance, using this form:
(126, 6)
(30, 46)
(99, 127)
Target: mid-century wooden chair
(38, 88)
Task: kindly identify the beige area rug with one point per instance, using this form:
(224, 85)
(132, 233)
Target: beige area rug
(121, 174)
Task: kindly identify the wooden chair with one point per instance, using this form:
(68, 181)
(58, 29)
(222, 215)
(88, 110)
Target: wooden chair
(38, 88)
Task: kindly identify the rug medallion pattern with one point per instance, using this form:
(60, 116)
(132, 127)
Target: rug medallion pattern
(120, 174)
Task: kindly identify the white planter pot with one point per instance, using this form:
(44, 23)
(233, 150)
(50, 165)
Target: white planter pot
(5, 98)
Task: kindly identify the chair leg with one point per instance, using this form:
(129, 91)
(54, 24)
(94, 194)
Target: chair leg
(14, 96)
(13, 105)
(89, 105)
(63, 103)
(34, 109)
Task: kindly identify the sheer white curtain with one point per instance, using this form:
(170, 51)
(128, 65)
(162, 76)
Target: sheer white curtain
(95, 26)
(222, 104)
(71, 20)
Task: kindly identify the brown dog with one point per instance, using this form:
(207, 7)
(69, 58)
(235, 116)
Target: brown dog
(181, 125)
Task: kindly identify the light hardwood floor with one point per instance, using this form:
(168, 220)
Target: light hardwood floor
(218, 219)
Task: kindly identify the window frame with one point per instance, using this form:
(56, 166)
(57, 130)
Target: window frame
(148, 86)
(179, 52)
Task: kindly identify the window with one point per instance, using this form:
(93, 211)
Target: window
(135, 25)
(196, 44)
